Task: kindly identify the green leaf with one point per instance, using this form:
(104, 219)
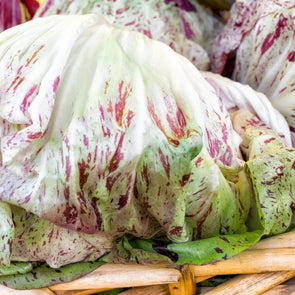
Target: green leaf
(16, 268)
(213, 249)
(201, 251)
(130, 249)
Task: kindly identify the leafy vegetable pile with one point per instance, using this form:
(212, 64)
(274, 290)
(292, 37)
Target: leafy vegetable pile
(116, 148)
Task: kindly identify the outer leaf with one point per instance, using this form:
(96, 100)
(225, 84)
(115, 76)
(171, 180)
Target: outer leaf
(162, 189)
(270, 166)
(216, 203)
(274, 189)
(37, 239)
(236, 95)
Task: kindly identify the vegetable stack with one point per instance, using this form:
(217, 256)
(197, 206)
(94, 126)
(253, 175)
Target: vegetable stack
(117, 145)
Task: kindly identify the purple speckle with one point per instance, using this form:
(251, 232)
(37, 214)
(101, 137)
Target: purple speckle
(187, 29)
(271, 37)
(25, 102)
(55, 83)
(291, 56)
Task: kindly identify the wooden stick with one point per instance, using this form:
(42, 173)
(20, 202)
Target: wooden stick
(253, 284)
(285, 240)
(277, 290)
(81, 292)
(203, 290)
(199, 279)
(186, 284)
(148, 290)
(281, 290)
(249, 261)
(123, 275)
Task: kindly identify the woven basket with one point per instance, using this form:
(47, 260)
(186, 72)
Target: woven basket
(266, 268)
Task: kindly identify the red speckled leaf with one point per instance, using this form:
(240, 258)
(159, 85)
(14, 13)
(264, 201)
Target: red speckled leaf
(259, 38)
(185, 26)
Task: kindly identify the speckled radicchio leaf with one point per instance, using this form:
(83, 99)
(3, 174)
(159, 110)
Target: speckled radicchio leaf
(37, 239)
(271, 167)
(94, 150)
(244, 16)
(236, 95)
(187, 27)
(264, 51)
(266, 146)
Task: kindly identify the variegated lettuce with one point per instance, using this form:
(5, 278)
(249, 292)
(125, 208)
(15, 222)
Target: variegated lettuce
(100, 130)
(115, 147)
(259, 39)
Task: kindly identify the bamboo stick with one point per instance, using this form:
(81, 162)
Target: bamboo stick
(281, 290)
(249, 261)
(123, 275)
(199, 279)
(203, 290)
(285, 240)
(290, 282)
(186, 284)
(148, 290)
(254, 284)
(81, 292)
